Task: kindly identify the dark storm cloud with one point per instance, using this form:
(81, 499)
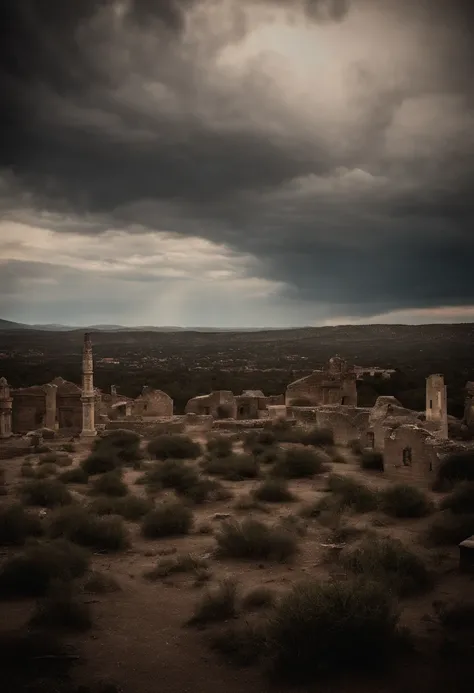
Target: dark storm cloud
(199, 157)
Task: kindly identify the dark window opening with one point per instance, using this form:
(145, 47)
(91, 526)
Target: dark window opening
(344, 400)
(431, 404)
(407, 457)
(242, 411)
(370, 439)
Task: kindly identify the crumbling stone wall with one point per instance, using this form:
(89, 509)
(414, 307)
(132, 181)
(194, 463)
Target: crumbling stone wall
(346, 423)
(409, 455)
(150, 428)
(334, 384)
(152, 403)
(212, 404)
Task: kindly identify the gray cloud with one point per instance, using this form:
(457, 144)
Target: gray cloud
(349, 179)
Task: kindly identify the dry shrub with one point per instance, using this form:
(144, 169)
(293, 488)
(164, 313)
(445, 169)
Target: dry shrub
(251, 539)
(458, 616)
(168, 518)
(258, 598)
(130, 507)
(219, 446)
(300, 463)
(80, 526)
(456, 467)
(318, 437)
(241, 644)
(403, 500)
(101, 461)
(17, 525)
(177, 447)
(77, 475)
(326, 628)
(47, 493)
(353, 494)
(27, 471)
(237, 467)
(448, 528)
(31, 573)
(61, 608)
(274, 491)
(217, 603)
(123, 444)
(100, 583)
(110, 484)
(180, 563)
(45, 471)
(389, 561)
(461, 501)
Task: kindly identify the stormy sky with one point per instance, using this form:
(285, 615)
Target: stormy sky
(237, 162)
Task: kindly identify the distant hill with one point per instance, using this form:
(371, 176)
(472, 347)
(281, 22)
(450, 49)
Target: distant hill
(10, 325)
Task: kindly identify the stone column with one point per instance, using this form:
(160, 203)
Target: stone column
(436, 403)
(50, 415)
(5, 409)
(88, 396)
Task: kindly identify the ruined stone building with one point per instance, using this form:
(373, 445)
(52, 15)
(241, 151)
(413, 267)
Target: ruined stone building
(223, 404)
(334, 384)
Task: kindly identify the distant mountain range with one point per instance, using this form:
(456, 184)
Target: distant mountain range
(10, 326)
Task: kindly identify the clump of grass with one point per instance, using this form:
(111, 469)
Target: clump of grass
(274, 491)
(217, 603)
(177, 447)
(353, 494)
(448, 528)
(17, 525)
(403, 500)
(237, 467)
(31, 573)
(178, 563)
(168, 518)
(388, 560)
(47, 493)
(130, 507)
(321, 628)
(300, 463)
(110, 484)
(251, 539)
(461, 501)
(258, 598)
(219, 446)
(241, 644)
(247, 502)
(80, 526)
(371, 460)
(74, 476)
(61, 608)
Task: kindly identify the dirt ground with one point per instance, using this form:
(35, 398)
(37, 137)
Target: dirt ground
(140, 642)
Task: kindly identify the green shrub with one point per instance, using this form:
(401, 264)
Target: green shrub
(219, 446)
(274, 491)
(300, 463)
(62, 609)
(461, 501)
(31, 573)
(77, 475)
(238, 467)
(449, 529)
(177, 447)
(47, 493)
(318, 437)
(180, 563)
(388, 560)
(101, 461)
(130, 507)
(353, 494)
(372, 460)
(402, 500)
(80, 526)
(458, 466)
(326, 627)
(168, 518)
(218, 603)
(17, 524)
(251, 539)
(110, 484)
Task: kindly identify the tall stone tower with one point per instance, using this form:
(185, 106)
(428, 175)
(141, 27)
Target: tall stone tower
(436, 403)
(88, 396)
(5, 409)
